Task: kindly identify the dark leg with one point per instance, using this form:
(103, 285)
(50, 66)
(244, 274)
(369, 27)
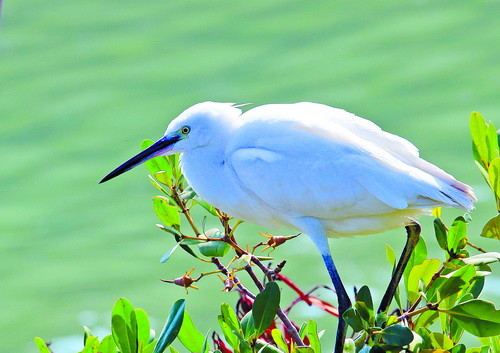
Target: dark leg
(316, 232)
(343, 299)
(413, 232)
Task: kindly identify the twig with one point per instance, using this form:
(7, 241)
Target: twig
(429, 306)
(420, 297)
(225, 271)
(182, 205)
(476, 247)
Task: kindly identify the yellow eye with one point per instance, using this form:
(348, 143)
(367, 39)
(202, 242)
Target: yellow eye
(185, 130)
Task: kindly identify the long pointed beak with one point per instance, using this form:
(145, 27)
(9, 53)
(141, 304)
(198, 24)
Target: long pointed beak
(158, 148)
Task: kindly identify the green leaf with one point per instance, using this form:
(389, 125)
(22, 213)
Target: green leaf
(189, 336)
(441, 233)
(353, 319)
(169, 230)
(214, 248)
(477, 317)
(230, 337)
(156, 164)
(169, 253)
(241, 262)
(172, 326)
(456, 235)
(265, 307)
(91, 345)
(483, 349)
(185, 247)
(42, 346)
(459, 348)
(425, 271)
(492, 228)
(107, 345)
(493, 342)
(188, 193)
(167, 213)
(143, 327)
(150, 347)
(456, 281)
(390, 255)
(124, 326)
(262, 346)
(157, 185)
(426, 337)
(206, 347)
(279, 340)
(312, 334)
(365, 296)
(349, 346)
(397, 335)
(303, 330)
(248, 326)
(211, 209)
(86, 334)
(482, 144)
(164, 177)
(494, 177)
(441, 341)
(243, 345)
(492, 142)
(485, 258)
(456, 331)
(366, 314)
(229, 317)
(426, 319)
(173, 160)
(303, 350)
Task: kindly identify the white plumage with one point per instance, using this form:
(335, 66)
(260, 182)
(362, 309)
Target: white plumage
(278, 163)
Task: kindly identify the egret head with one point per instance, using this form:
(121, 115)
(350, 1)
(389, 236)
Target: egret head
(196, 127)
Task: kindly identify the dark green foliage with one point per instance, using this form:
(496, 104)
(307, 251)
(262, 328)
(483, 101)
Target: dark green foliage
(265, 306)
(172, 326)
(397, 335)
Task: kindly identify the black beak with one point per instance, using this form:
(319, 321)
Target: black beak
(156, 149)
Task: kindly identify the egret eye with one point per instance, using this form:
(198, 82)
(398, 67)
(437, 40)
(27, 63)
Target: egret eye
(185, 130)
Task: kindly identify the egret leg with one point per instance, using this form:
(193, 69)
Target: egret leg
(344, 302)
(413, 234)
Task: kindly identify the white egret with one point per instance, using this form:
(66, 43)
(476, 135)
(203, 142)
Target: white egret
(320, 170)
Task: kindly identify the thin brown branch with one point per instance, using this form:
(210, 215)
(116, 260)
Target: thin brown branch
(226, 272)
(429, 306)
(182, 205)
(476, 247)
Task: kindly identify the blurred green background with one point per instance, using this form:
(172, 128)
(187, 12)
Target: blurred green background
(83, 82)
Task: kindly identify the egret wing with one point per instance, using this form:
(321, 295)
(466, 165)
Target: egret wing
(310, 165)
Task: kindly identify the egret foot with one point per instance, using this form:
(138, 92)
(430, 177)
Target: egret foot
(413, 235)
